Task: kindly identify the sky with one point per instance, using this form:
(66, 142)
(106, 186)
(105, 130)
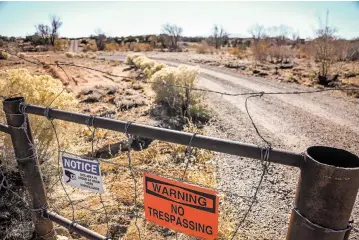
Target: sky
(80, 19)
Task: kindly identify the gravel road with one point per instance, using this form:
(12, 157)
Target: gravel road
(74, 46)
(291, 122)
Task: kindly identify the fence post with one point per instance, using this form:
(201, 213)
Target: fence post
(28, 165)
(325, 196)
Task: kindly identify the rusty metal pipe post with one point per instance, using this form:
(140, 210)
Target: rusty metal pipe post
(29, 168)
(325, 196)
(89, 234)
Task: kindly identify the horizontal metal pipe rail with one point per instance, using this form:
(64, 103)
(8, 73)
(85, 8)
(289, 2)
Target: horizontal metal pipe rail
(4, 128)
(173, 136)
(74, 226)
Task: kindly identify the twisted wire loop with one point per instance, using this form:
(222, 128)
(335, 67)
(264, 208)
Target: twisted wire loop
(24, 128)
(188, 154)
(47, 113)
(130, 139)
(22, 108)
(43, 212)
(3, 181)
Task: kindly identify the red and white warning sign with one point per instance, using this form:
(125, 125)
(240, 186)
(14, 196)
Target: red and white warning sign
(182, 207)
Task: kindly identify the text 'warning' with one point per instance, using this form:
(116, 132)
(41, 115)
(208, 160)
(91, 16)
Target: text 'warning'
(182, 207)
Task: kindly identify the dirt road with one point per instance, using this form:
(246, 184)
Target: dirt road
(292, 122)
(74, 46)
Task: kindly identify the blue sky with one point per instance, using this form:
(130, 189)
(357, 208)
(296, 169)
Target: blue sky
(196, 18)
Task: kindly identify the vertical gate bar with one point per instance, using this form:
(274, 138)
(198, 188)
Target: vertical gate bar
(326, 193)
(28, 165)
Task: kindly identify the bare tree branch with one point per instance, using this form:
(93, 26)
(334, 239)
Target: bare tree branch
(100, 38)
(219, 35)
(257, 32)
(56, 23)
(43, 31)
(174, 32)
(324, 47)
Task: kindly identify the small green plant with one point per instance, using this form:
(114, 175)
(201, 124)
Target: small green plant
(22, 55)
(180, 100)
(312, 76)
(4, 55)
(288, 76)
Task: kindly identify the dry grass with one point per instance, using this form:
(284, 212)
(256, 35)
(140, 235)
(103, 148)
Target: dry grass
(204, 48)
(61, 44)
(22, 55)
(70, 54)
(238, 52)
(90, 46)
(142, 47)
(111, 47)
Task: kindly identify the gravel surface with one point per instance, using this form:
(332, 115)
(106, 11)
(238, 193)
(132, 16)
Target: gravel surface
(291, 122)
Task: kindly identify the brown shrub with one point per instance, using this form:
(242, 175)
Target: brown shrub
(280, 53)
(61, 44)
(90, 46)
(142, 47)
(204, 47)
(239, 52)
(260, 50)
(110, 47)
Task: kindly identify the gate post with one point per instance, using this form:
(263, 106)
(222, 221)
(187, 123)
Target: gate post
(28, 165)
(325, 196)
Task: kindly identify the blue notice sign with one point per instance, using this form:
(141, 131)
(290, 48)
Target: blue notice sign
(82, 173)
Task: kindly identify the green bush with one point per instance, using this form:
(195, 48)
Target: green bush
(4, 55)
(174, 88)
(22, 55)
(199, 113)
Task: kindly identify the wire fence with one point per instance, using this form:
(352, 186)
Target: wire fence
(132, 208)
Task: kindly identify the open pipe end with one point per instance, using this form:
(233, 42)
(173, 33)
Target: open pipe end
(333, 156)
(14, 99)
(12, 105)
